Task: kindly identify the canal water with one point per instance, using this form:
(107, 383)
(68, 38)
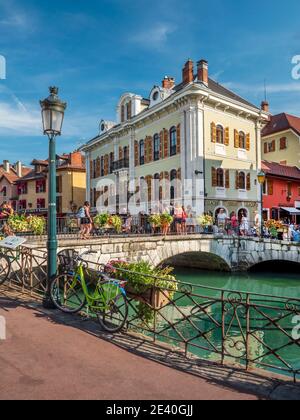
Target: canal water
(202, 329)
(266, 283)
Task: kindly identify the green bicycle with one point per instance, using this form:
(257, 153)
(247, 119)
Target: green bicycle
(103, 297)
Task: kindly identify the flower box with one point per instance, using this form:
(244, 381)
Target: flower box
(152, 296)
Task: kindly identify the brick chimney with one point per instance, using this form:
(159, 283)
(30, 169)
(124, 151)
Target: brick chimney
(265, 106)
(76, 159)
(168, 82)
(19, 169)
(6, 166)
(188, 72)
(203, 71)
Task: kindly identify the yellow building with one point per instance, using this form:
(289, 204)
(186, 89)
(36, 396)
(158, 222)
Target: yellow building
(281, 140)
(194, 143)
(32, 189)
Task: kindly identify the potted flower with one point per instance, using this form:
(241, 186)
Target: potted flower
(274, 227)
(206, 222)
(166, 220)
(101, 220)
(116, 223)
(155, 222)
(152, 288)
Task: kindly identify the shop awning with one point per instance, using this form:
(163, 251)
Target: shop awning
(292, 210)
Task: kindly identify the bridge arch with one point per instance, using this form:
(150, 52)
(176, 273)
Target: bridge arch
(199, 260)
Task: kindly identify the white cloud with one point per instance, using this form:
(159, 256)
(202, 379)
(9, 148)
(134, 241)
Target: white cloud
(155, 36)
(15, 119)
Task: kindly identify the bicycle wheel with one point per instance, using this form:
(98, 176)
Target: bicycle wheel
(113, 312)
(67, 294)
(4, 268)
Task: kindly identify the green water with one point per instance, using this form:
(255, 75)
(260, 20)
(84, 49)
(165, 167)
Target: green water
(195, 321)
(281, 284)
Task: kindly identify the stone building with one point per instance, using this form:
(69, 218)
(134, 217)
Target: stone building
(194, 141)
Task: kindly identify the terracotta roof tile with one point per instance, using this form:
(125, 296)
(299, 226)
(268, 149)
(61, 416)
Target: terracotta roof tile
(282, 122)
(275, 169)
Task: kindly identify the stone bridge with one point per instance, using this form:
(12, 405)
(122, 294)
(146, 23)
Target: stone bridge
(195, 251)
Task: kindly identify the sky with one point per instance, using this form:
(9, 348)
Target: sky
(95, 50)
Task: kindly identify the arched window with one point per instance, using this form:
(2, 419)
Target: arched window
(173, 179)
(220, 134)
(242, 181)
(242, 140)
(220, 178)
(156, 188)
(142, 152)
(173, 141)
(156, 147)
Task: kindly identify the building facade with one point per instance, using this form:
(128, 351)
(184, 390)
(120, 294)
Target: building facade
(32, 189)
(195, 142)
(281, 192)
(9, 174)
(281, 140)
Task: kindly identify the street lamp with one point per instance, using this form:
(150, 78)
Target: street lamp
(261, 179)
(53, 110)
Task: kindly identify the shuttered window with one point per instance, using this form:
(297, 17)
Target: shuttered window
(213, 132)
(283, 143)
(173, 141)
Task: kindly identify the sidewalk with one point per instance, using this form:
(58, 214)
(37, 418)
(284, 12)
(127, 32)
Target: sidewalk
(43, 358)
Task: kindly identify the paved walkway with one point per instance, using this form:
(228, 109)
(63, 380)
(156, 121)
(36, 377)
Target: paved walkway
(45, 359)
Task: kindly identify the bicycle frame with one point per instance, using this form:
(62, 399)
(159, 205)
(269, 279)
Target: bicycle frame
(99, 299)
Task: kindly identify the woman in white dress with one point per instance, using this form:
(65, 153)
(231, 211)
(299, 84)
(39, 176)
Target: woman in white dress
(244, 227)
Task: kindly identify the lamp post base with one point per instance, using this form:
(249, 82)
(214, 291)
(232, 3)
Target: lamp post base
(47, 303)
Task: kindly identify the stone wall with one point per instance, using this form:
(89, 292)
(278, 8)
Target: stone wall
(201, 251)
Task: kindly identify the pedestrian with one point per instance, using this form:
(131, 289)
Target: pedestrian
(178, 215)
(190, 222)
(86, 221)
(221, 220)
(244, 227)
(184, 220)
(234, 223)
(258, 223)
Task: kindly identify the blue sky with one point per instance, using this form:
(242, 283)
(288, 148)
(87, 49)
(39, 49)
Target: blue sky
(96, 50)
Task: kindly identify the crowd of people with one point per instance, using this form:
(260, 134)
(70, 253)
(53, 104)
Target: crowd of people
(183, 221)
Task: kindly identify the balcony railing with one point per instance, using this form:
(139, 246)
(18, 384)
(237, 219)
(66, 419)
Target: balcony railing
(120, 165)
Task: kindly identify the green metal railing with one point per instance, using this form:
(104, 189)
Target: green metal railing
(251, 331)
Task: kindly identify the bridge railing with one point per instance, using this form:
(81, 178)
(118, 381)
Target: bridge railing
(246, 330)
(69, 227)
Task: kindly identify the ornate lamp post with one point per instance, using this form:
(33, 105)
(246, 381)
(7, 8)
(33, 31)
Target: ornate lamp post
(261, 179)
(53, 110)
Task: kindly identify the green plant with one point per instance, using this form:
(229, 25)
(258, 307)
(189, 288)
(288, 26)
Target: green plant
(166, 219)
(155, 220)
(140, 277)
(116, 223)
(101, 220)
(205, 220)
(22, 224)
(36, 224)
(18, 224)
